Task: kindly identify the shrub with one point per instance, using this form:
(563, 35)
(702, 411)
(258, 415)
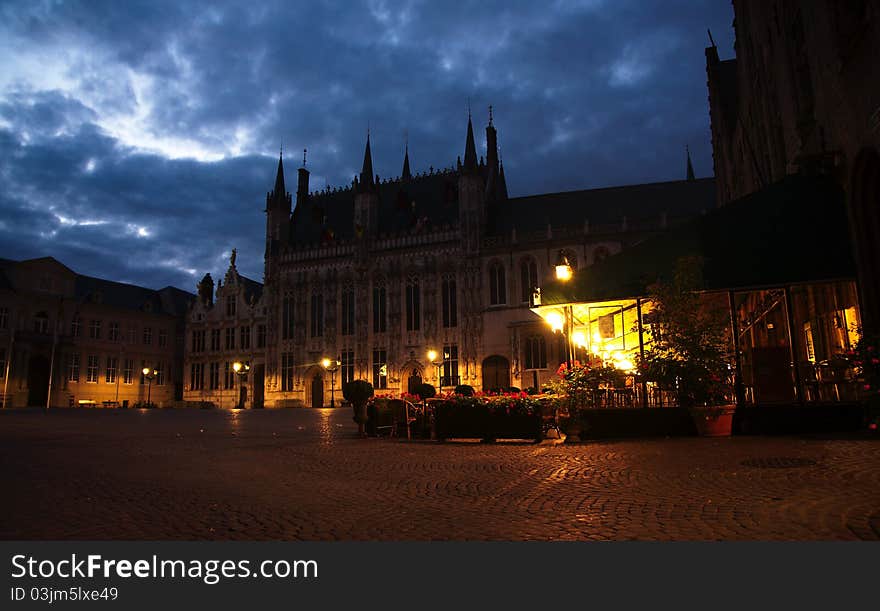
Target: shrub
(464, 390)
(425, 391)
(358, 392)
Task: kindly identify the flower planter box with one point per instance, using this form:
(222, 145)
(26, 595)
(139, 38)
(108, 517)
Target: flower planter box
(476, 420)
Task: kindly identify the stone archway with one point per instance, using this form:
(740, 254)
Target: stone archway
(496, 373)
(864, 206)
(317, 390)
(38, 380)
(413, 380)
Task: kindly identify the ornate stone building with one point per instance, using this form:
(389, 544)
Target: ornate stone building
(802, 96)
(78, 340)
(378, 274)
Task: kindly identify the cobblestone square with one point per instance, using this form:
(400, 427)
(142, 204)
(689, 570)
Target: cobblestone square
(303, 475)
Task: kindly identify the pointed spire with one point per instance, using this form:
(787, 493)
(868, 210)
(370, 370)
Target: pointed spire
(470, 149)
(690, 167)
(367, 170)
(406, 175)
(279, 177)
(502, 184)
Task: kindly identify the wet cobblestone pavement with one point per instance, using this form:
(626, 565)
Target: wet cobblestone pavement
(303, 475)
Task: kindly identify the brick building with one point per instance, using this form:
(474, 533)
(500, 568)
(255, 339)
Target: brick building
(78, 340)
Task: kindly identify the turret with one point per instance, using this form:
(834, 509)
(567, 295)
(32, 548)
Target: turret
(471, 196)
(366, 199)
(278, 207)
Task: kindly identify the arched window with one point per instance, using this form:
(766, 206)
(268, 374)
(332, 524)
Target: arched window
(379, 307)
(497, 284)
(528, 273)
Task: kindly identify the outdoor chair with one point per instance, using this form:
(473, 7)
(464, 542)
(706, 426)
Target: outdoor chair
(403, 415)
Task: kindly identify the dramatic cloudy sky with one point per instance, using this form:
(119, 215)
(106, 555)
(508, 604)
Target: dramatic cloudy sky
(138, 139)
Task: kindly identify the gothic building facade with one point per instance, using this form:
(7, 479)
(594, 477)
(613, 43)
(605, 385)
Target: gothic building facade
(377, 276)
(802, 96)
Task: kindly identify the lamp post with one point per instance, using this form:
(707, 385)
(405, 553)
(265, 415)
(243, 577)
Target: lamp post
(436, 362)
(242, 370)
(331, 366)
(149, 374)
(564, 274)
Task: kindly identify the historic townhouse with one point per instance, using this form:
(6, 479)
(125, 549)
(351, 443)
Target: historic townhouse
(71, 340)
(378, 275)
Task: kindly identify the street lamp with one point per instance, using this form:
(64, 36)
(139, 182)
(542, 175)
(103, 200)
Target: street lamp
(331, 366)
(149, 374)
(242, 370)
(436, 362)
(564, 274)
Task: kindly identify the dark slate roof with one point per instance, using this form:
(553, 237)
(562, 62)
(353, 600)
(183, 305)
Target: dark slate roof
(253, 290)
(647, 202)
(794, 231)
(121, 295)
(175, 301)
(329, 215)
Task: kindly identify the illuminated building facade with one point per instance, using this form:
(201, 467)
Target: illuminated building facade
(378, 274)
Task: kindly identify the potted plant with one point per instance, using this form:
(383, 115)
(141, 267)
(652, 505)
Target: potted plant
(358, 393)
(574, 385)
(690, 349)
(863, 359)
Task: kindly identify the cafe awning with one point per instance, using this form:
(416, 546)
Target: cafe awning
(792, 232)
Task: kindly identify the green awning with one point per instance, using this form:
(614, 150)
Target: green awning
(792, 232)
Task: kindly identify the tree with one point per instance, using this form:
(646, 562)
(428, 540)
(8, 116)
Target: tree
(358, 392)
(690, 349)
(425, 391)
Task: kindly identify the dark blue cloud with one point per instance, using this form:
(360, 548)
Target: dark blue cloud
(138, 139)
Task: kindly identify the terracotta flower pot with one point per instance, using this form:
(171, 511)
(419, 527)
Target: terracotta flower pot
(714, 421)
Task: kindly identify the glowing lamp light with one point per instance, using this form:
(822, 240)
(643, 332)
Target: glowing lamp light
(236, 366)
(563, 267)
(432, 355)
(554, 319)
(579, 339)
(325, 363)
(145, 371)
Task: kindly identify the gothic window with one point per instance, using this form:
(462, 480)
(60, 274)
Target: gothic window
(449, 297)
(379, 309)
(245, 338)
(214, 376)
(261, 336)
(230, 338)
(497, 284)
(535, 353)
(317, 316)
(450, 365)
(196, 376)
(347, 366)
(413, 305)
(287, 320)
(287, 371)
(380, 369)
(528, 274)
(347, 326)
(230, 305)
(215, 339)
(228, 376)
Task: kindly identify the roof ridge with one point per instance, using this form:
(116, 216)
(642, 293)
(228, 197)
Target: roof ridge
(618, 187)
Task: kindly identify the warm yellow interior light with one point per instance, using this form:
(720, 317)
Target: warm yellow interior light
(554, 319)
